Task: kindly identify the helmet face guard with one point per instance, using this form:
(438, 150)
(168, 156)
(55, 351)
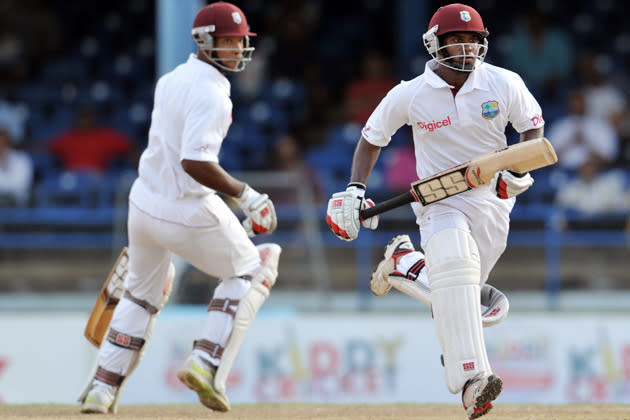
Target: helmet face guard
(458, 60)
(205, 41)
(218, 20)
(456, 18)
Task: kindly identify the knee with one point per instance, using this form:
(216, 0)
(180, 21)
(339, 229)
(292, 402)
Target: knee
(452, 259)
(233, 287)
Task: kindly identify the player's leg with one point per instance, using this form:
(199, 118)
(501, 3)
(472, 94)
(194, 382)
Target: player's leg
(404, 269)
(147, 288)
(246, 274)
(453, 269)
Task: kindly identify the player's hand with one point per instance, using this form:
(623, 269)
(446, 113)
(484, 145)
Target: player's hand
(372, 222)
(509, 184)
(260, 212)
(343, 212)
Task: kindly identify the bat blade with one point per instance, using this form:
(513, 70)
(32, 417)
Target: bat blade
(521, 158)
(110, 294)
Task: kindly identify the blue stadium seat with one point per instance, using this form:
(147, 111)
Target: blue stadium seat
(344, 136)
(44, 164)
(68, 189)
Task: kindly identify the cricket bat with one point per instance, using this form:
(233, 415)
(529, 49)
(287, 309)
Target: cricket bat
(108, 298)
(521, 158)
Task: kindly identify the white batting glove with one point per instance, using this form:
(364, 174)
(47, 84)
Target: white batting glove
(343, 212)
(372, 222)
(260, 212)
(509, 184)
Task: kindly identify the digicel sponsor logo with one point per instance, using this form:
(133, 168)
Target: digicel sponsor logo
(434, 125)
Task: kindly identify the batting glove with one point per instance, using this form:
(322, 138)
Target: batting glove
(509, 184)
(259, 211)
(343, 212)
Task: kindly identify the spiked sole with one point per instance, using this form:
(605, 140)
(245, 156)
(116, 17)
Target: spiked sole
(207, 395)
(489, 394)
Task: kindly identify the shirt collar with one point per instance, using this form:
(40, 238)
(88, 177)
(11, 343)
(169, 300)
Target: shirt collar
(475, 79)
(209, 69)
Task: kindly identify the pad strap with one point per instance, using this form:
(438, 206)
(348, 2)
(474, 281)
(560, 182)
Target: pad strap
(143, 303)
(213, 349)
(110, 378)
(414, 271)
(125, 341)
(229, 306)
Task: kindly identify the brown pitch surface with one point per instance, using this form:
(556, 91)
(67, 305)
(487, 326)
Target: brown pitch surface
(323, 412)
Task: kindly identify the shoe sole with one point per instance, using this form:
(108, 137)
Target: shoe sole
(93, 410)
(206, 394)
(490, 393)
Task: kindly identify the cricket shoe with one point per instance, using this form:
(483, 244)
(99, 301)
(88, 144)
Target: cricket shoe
(397, 247)
(478, 394)
(99, 399)
(198, 375)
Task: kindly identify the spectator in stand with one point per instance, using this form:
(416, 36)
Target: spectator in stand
(586, 148)
(365, 93)
(602, 97)
(13, 118)
(87, 146)
(542, 53)
(605, 98)
(16, 172)
(288, 157)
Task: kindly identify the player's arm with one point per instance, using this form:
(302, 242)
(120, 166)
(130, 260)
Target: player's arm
(535, 133)
(212, 175)
(363, 161)
(342, 214)
(259, 209)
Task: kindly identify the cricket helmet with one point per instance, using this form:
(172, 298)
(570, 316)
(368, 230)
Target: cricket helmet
(456, 17)
(222, 19)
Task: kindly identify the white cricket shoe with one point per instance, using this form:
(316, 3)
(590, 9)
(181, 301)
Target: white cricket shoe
(99, 399)
(478, 394)
(198, 375)
(396, 248)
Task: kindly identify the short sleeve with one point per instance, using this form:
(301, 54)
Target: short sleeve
(390, 114)
(204, 130)
(525, 112)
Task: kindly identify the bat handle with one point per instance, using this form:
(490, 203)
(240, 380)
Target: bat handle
(392, 203)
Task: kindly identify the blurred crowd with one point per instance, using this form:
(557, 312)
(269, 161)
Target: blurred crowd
(76, 93)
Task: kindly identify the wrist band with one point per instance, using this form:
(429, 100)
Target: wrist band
(357, 184)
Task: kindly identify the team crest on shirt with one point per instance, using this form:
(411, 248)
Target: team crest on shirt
(237, 18)
(464, 15)
(490, 109)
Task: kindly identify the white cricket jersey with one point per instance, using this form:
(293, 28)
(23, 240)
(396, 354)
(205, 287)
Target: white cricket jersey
(191, 116)
(449, 130)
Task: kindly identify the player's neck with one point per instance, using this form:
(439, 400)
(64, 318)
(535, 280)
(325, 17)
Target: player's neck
(452, 77)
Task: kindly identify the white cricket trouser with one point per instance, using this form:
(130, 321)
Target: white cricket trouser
(218, 247)
(207, 235)
(479, 212)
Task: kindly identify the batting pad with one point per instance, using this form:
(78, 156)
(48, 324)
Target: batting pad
(249, 305)
(454, 275)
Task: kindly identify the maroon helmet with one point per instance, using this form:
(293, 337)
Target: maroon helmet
(455, 17)
(222, 19)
